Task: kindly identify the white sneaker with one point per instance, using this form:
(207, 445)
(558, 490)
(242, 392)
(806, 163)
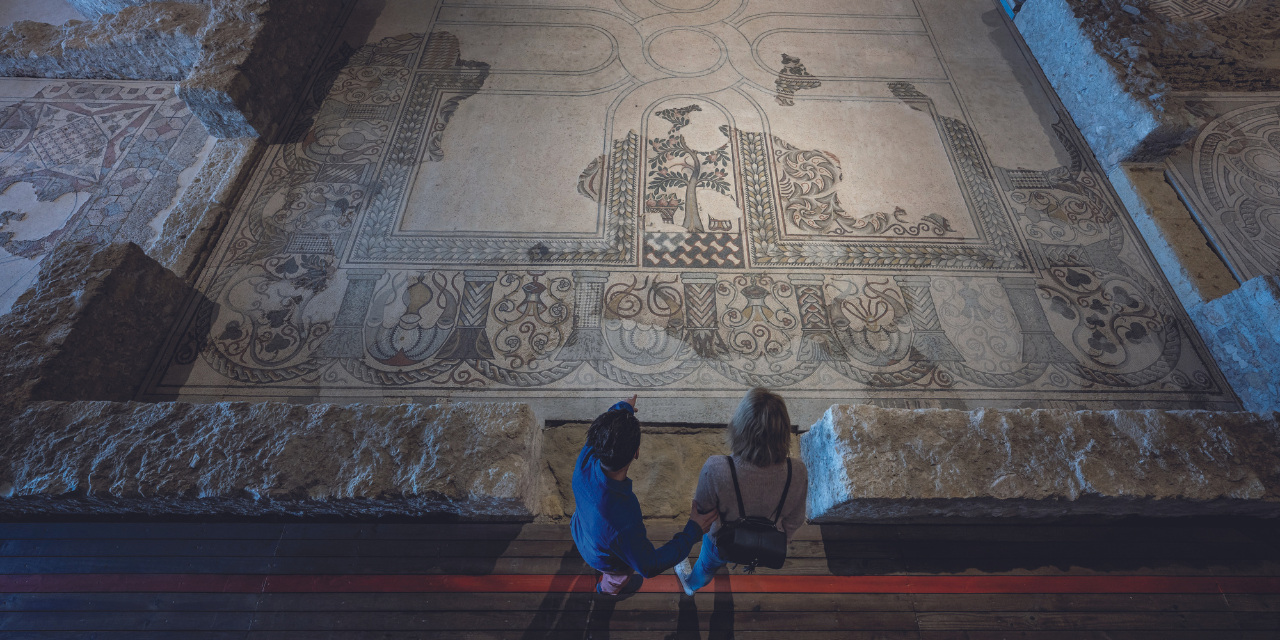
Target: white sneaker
(682, 574)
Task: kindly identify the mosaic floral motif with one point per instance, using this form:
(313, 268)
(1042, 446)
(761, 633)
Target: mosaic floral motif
(122, 145)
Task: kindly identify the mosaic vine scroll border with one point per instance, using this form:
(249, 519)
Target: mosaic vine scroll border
(769, 247)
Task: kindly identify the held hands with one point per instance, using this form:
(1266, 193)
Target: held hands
(704, 520)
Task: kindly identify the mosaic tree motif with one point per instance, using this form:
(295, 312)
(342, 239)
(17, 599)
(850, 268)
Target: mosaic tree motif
(675, 166)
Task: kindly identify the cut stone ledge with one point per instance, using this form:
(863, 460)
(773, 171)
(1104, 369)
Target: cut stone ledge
(473, 461)
(869, 463)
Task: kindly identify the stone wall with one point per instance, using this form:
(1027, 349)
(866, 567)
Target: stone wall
(1242, 330)
(870, 463)
(471, 461)
(89, 327)
(100, 8)
(158, 42)
(241, 64)
(1117, 63)
(197, 221)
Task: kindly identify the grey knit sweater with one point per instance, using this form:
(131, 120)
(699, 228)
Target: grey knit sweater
(761, 489)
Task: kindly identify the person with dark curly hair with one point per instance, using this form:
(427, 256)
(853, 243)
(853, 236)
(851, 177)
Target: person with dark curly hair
(607, 525)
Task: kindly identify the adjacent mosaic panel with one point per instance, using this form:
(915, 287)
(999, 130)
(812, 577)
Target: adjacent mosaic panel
(1198, 9)
(119, 147)
(1230, 175)
(562, 202)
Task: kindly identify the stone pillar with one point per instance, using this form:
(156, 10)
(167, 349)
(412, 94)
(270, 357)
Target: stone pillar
(817, 341)
(347, 339)
(586, 341)
(1038, 342)
(928, 337)
(469, 340)
(701, 318)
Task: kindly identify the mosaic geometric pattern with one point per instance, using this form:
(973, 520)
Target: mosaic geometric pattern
(122, 144)
(455, 218)
(1197, 9)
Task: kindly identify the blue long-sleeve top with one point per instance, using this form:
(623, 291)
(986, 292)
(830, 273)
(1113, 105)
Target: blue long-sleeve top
(608, 529)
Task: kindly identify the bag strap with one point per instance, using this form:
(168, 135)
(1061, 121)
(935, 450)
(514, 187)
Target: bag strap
(742, 512)
(777, 515)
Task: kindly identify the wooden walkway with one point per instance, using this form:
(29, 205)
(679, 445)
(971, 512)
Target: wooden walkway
(1066, 581)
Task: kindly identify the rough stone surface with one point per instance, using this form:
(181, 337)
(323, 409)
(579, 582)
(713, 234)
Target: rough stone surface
(257, 55)
(664, 477)
(158, 42)
(196, 222)
(1157, 53)
(1193, 268)
(100, 8)
(469, 460)
(241, 63)
(89, 327)
(1242, 330)
(866, 463)
(1120, 123)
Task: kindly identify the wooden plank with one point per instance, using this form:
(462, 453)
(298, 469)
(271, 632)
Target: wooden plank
(133, 634)
(1065, 602)
(1145, 532)
(1085, 634)
(1253, 602)
(616, 619)
(1015, 621)
(128, 602)
(15, 548)
(687, 630)
(1258, 620)
(121, 621)
(337, 566)
(745, 602)
(124, 530)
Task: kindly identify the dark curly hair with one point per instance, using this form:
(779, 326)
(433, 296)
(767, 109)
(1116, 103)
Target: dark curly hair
(614, 437)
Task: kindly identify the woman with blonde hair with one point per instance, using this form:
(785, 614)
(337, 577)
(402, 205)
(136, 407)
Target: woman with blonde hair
(760, 439)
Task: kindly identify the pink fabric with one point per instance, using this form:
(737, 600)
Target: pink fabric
(612, 583)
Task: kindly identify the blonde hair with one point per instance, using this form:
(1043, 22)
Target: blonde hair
(760, 429)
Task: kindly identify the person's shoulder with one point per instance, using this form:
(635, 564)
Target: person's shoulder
(715, 463)
(798, 466)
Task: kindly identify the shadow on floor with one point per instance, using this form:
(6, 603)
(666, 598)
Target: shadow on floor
(1128, 544)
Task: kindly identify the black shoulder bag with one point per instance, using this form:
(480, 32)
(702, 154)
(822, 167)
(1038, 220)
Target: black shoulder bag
(753, 540)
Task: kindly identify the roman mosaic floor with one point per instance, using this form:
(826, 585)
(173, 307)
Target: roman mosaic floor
(845, 200)
(88, 161)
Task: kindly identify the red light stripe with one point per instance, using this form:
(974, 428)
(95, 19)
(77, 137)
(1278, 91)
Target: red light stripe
(215, 583)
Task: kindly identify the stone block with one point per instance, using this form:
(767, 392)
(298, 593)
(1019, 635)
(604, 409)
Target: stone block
(1120, 123)
(100, 8)
(90, 326)
(470, 460)
(196, 222)
(256, 62)
(160, 41)
(868, 463)
(1242, 330)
